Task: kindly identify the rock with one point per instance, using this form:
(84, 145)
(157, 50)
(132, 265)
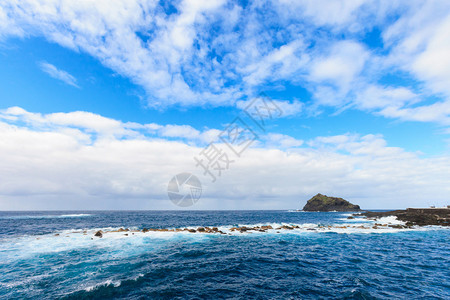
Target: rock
(99, 234)
(287, 227)
(324, 203)
(192, 230)
(396, 226)
(201, 229)
(215, 229)
(350, 217)
(266, 227)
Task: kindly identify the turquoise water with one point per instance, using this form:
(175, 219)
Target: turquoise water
(334, 263)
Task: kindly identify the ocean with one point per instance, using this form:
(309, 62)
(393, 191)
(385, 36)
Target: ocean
(48, 255)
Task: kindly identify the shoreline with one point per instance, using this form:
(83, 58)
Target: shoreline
(414, 216)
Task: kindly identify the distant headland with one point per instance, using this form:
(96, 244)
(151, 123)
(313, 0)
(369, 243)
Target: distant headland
(324, 203)
(415, 216)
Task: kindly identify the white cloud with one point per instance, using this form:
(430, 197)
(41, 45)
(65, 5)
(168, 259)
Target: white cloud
(420, 45)
(325, 12)
(53, 167)
(377, 97)
(341, 66)
(108, 128)
(281, 141)
(288, 108)
(56, 73)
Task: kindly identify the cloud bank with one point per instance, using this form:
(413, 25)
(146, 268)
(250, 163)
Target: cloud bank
(80, 160)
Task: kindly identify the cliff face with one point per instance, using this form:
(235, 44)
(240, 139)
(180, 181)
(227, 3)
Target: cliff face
(324, 203)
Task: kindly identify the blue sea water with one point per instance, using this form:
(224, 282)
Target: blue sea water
(54, 255)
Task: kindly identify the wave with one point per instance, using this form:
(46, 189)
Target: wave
(105, 283)
(18, 217)
(136, 241)
(111, 282)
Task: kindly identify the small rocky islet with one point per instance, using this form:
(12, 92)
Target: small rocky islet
(323, 203)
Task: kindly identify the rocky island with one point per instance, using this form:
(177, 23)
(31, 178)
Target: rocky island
(324, 203)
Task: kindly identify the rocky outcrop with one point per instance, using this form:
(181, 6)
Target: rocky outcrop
(416, 216)
(324, 203)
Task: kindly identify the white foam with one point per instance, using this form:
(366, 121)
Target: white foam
(392, 220)
(356, 220)
(18, 217)
(134, 241)
(104, 283)
(120, 243)
(75, 215)
(113, 282)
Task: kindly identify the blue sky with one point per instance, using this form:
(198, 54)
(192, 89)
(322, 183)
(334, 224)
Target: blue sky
(363, 85)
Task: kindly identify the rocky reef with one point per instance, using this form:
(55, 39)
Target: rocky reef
(324, 203)
(233, 230)
(415, 216)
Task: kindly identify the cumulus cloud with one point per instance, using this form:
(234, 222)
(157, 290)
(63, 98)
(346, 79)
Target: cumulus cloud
(56, 73)
(49, 161)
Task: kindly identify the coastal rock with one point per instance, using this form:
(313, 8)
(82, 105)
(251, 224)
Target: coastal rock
(324, 203)
(265, 227)
(286, 227)
(416, 216)
(99, 234)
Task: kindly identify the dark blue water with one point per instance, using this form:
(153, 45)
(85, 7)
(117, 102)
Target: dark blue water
(291, 264)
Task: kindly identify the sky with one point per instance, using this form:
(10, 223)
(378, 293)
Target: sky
(103, 102)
